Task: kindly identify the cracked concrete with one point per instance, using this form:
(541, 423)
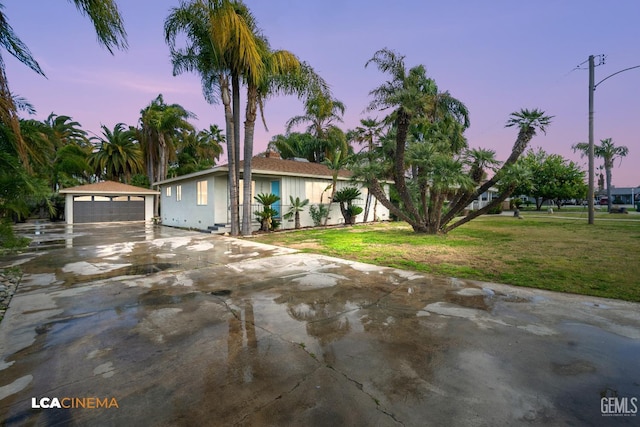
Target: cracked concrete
(184, 328)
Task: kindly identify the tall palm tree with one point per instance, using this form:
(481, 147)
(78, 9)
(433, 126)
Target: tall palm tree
(282, 73)
(118, 156)
(412, 96)
(369, 132)
(64, 131)
(335, 163)
(106, 19)
(321, 112)
(608, 152)
(197, 151)
(221, 46)
(161, 123)
(528, 122)
(58, 148)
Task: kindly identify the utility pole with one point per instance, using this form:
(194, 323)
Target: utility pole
(590, 193)
(592, 88)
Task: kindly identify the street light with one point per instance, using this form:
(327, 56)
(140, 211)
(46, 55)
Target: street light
(592, 88)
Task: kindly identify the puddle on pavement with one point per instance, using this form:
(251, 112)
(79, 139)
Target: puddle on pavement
(160, 297)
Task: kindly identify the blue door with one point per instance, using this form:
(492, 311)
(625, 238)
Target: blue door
(275, 189)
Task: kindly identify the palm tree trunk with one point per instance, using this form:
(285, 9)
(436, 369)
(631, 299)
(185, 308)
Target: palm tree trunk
(399, 167)
(333, 193)
(249, 128)
(235, 88)
(607, 170)
(231, 155)
(162, 163)
(367, 207)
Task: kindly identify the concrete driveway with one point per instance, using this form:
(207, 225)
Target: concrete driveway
(141, 325)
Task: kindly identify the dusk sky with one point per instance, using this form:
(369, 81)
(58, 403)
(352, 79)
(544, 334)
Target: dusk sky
(496, 56)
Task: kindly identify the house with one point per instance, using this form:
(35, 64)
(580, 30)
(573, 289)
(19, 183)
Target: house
(623, 195)
(200, 200)
(108, 201)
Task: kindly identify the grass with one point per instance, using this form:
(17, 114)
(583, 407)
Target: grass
(542, 251)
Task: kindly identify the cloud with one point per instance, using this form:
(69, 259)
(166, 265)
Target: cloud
(127, 81)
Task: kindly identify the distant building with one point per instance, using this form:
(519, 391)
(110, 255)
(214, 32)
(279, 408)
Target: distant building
(624, 195)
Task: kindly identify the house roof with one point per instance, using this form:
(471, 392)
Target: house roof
(292, 167)
(107, 187)
(272, 166)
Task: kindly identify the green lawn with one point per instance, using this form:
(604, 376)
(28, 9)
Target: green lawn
(541, 251)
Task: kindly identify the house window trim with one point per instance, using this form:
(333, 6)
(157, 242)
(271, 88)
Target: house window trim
(178, 193)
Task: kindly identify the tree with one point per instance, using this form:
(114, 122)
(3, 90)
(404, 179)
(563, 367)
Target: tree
(552, 177)
(345, 198)
(197, 151)
(58, 148)
(119, 155)
(608, 152)
(528, 122)
(296, 207)
(282, 73)
(106, 19)
(322, 112)
(161, 124)
(18, 188)
(294, 145)
(335, 162)
(368, 133)
(428, 160)
(267, 214)
(221, 47)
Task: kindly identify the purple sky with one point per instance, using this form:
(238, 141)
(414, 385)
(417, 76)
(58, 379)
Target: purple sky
(496, 56)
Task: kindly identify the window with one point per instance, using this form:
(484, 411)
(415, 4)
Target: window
(178, 193)
(201, 192)
(168, 191)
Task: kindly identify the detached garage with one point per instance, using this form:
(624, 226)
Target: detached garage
(108, 201)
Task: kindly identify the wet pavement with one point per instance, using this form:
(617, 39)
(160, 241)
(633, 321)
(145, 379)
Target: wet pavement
(149, 325)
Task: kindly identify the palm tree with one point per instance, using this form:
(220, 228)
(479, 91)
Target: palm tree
(608, 152)
(282, 73)
(412, 96)
(106, 19)
(294, 144)
(161, 124)
(345, 198)
(528, 122)
(221, 46)
(335, 162)
(267, 213)
(57, 148)
(118, 156)
(197, 151)
(369, 132)
(296, 207)
(321, 112)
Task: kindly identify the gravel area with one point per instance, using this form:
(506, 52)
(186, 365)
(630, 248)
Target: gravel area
(9, 280)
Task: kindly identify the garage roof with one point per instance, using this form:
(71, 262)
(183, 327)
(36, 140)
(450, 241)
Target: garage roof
(108, 187)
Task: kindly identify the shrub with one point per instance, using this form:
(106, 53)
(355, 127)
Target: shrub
(318, 213)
